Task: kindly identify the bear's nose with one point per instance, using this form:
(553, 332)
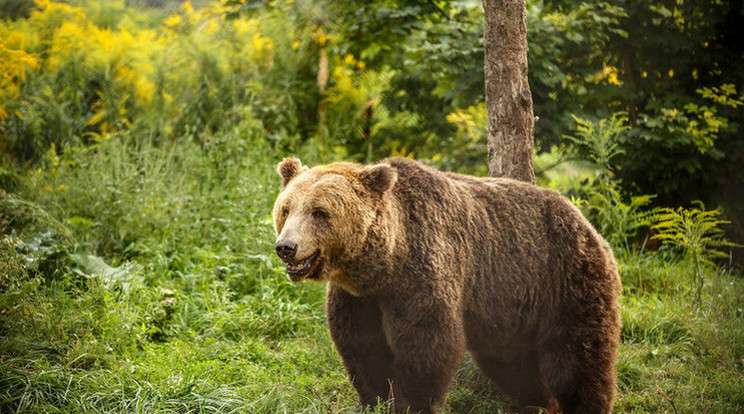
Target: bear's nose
(286, 249)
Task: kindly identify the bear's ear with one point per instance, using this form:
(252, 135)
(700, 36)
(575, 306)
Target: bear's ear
(288, 169)
(378, 178)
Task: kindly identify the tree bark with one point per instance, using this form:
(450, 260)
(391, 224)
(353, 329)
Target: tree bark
(511, 122)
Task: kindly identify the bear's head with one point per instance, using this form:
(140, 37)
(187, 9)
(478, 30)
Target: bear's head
(323, 215)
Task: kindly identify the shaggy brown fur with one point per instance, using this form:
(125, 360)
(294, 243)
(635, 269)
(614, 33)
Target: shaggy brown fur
(423, 265)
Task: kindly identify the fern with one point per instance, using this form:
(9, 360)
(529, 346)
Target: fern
(697, 232)
(616, 215)
(618, 218)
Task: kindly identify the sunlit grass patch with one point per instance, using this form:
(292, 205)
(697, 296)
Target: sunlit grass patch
(680, 356)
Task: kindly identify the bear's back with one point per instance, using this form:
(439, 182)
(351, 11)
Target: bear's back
(506, 242)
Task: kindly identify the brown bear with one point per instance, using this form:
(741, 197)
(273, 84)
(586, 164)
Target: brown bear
(423, 265)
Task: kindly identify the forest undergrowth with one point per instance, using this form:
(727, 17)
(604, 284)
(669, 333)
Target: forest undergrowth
(140, 278)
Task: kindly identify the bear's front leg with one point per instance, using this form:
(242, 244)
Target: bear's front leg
(428, 342)
(355, 324)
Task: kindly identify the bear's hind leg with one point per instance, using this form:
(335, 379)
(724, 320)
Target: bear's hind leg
(356, 329)
(581, 377)
(520, 380)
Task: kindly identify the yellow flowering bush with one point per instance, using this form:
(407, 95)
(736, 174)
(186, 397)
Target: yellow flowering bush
(75, 72)
(14, 63)
(72, 73)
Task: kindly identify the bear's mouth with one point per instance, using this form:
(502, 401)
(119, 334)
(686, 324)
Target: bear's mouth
(304, 269)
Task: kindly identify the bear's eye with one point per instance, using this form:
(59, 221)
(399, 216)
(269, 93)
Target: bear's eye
(321, 213)
(285, 212)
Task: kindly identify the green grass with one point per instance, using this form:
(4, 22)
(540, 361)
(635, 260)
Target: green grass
(140, 278)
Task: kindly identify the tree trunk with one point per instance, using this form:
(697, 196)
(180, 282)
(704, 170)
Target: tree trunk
(511, 122)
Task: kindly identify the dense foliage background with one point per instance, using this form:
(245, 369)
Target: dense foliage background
(138, 143)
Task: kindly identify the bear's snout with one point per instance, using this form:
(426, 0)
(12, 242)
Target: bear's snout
(286, 249)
